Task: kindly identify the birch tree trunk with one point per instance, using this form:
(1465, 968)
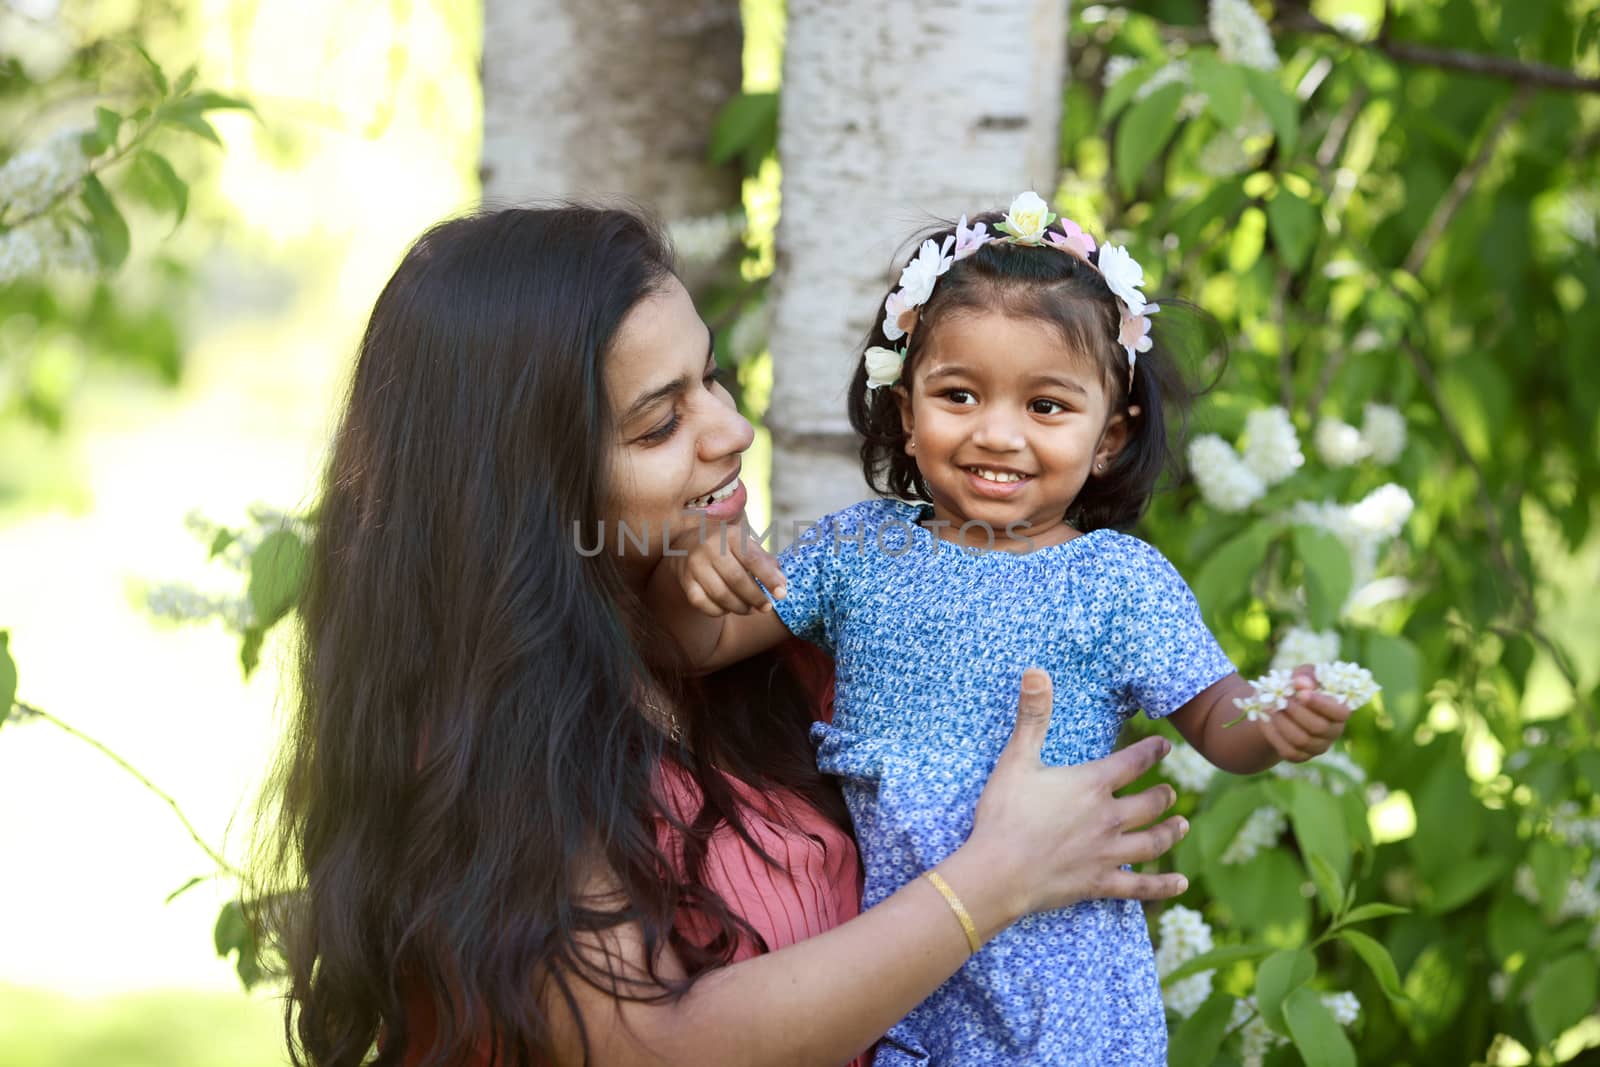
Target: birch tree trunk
(893, 113)
(594, 100)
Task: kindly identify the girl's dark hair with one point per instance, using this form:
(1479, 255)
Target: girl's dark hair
(1064, 292)
(467, 746)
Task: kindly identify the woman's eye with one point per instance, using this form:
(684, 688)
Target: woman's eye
(660, 433)
(1047, 407)
(717, 376)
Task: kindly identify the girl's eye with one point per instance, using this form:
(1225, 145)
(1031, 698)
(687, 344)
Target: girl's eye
(1047, 407)
(959, 396)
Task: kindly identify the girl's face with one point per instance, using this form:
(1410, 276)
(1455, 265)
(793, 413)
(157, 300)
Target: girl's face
(675, 460)
(1006, 424)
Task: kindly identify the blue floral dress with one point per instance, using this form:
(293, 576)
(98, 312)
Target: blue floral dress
(930, 641)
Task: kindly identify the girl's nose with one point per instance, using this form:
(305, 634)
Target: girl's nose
(997, 431)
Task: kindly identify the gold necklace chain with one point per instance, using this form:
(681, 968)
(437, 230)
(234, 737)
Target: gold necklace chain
(665, 716)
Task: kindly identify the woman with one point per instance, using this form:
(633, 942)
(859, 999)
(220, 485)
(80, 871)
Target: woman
(508, 829)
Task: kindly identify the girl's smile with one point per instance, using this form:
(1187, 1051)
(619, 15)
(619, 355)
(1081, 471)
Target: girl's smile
(1006, 423)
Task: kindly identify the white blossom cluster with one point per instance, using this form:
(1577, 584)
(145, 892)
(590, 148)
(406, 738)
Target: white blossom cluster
(1231, 481)
(1582, 897)
(1382, 438)
(1184, 935)
(1224, 480)
(31, 181)
(704, 238)
(41, 245)
(1569, 823)
(1301, 645)
(1363, 528)
(1261, 830)
(1188, 769)
(1242, 36)
(185, 603)
(1116, 68)
(1256, 1039)
(1334, 771)
(1350, 683)
(1272, 693)
(1271, 447)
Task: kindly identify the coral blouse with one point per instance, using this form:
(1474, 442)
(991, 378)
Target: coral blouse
(815, 887)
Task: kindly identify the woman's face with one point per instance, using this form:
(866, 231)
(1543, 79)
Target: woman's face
(675, 460)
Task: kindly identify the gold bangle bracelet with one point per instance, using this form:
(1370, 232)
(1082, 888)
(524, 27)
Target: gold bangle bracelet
(968, 927)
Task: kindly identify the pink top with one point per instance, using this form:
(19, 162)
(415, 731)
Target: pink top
(815, 887)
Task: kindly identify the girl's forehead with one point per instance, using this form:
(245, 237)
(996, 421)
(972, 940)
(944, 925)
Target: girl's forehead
(992, 343)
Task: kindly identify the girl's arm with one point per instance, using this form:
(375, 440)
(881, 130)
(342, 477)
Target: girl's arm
(1306, 728)
(1043, 837)
(707, 598)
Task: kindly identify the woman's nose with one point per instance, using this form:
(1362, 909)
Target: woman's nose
(727, 434)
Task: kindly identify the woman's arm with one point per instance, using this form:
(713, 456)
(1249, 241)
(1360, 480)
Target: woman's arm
(1042, 837)
(1306, 728)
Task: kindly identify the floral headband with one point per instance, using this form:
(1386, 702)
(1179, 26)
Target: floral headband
(1027, 222)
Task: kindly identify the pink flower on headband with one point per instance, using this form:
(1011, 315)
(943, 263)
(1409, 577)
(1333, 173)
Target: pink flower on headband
(894, 309)
(970, 238)
(1075, 243)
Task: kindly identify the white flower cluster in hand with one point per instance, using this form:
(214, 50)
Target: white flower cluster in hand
(704, 238)
(1271, 447)
(1261, 830)
(30, 181)
(1241, 35)
(1334, 771)
(1272, 693)
(1350, 683)
(1188, 769)
(1224, 480)
(1184, 935)
(1301, 645)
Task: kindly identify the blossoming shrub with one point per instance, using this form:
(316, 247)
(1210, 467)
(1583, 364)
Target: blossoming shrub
(1398, 469)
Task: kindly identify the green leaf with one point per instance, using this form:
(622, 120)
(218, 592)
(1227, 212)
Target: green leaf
(1563, 994)
(1552, 868)
(8, 677)
(746, 126)
(231, 929)
(157, 75)
(193, 122)
(1317, 1035)
(1216, 959)
(277, 569)
(1318, 822)
(165, 178)
(1215, 827)
(1326, 879)
(1367, 912)
(1328, 574)
(1223, 84)
(110, 230)
(1459, 883)
(1378, 961)
(1282, 110)
(1120, 95)
(206, 100)
(1396, 665)
(1295, 225)
(1281, 974)
(185, 887)
(185, 80)
(1143, 132)
(250, 649)
(220, 542)
(104, 136)
(1224, 579)
(1198, 1039)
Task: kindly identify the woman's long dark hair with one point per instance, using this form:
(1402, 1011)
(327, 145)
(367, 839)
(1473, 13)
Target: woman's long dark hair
(467, 745)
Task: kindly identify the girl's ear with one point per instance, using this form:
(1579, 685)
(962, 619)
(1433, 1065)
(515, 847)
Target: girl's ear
(1112, 440)
(902, 397)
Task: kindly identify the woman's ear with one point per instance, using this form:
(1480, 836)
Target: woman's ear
(902, 397)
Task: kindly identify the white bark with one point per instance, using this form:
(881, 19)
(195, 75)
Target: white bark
(594, 100)
(893, 114)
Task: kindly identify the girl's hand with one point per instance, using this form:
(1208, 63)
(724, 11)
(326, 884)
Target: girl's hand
(1311, 722)
(1052, 836)
(716, 574)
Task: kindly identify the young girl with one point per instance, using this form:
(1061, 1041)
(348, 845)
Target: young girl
(1015, 401)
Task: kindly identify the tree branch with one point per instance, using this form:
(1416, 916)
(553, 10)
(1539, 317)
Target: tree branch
(28, 711)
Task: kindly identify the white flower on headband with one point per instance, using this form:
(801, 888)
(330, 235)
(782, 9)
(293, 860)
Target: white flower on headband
(970, 238)
(894, 313)
(916, 281)
(883, 366)
(1124, 276)
(1027, 219)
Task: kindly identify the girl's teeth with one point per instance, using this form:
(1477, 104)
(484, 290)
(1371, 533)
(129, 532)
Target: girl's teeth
(998, 476)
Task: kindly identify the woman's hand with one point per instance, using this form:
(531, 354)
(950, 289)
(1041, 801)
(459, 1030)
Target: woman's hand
(1052, 836)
